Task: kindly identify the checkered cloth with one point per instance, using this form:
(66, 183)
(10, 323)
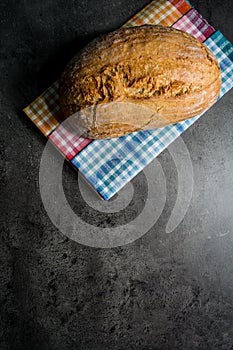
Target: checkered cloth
(110, 164)
(66, 139)
(44, 111)
(194, 24)
(160, 12)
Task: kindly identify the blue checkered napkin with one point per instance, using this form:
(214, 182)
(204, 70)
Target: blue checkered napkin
(223, 44)
(110, 164)
(223, 51)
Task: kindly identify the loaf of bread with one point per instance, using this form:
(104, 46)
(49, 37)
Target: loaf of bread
(138, 78)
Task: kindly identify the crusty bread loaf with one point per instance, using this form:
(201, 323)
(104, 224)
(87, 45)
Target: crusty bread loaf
(139, 78)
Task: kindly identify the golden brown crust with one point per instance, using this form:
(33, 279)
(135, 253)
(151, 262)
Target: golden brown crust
(167, 74)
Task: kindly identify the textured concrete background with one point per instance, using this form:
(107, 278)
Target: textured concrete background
(164, 291)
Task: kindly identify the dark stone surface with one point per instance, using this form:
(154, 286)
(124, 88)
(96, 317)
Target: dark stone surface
(164, 291)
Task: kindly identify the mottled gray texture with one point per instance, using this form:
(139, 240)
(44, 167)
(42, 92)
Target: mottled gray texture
(164, 291)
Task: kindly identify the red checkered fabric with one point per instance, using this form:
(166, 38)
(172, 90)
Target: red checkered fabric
(194, 24)
(67, 141)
